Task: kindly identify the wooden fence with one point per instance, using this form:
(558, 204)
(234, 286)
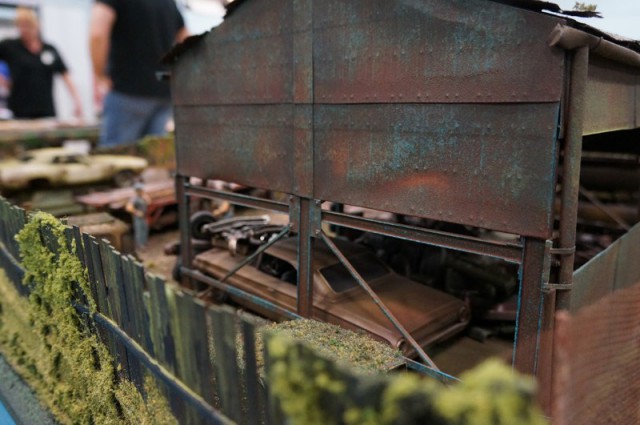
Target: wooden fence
(150, 326)
(205, 361)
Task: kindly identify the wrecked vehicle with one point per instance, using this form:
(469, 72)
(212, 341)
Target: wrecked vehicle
(429, 315)
(54, 167)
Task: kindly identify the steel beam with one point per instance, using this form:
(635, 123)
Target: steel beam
(236, 198)
(504, 251)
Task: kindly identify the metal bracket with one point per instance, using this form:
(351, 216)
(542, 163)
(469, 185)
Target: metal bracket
(563, 251)
(315, 218)
(548, 287)
(294, 213)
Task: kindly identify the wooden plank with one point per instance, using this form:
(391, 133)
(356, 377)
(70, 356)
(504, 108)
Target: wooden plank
(161, 333)
(227, 374)
(90, 246)
(4, 231)
(135, 288)
(254, 405)
(117, 299)
(195, 361)
(17, 220)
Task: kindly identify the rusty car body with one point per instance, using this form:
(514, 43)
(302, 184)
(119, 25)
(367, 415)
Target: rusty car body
(428, 314)
(54, 167)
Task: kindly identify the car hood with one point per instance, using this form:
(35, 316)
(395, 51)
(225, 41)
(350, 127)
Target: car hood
(425, 312)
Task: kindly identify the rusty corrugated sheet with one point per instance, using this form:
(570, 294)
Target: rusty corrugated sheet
(612, 97)
(596, 377)
(250, 145)
(246, 60)
(613, 269)
(491, 166)
(457, 51)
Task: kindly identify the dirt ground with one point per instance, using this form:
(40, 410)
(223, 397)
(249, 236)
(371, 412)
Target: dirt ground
(154, 259)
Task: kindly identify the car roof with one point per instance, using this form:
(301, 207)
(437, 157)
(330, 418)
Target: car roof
(48, 152)
(287, 249)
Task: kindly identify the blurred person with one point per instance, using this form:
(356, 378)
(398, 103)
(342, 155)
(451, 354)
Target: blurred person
(32, 64)
(128, 39)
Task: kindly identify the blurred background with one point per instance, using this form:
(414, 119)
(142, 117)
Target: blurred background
(65, 24)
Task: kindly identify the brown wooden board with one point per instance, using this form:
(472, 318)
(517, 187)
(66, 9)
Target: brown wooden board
(252, 385)
(161, 332)
(227, 373)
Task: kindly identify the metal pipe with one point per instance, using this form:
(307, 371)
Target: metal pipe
(443, 377)
(571, 39)
(159, 372)
(392, 318)
(250, 258)
(571, 170)
(232, 290)
(504, 251)
(237, 198)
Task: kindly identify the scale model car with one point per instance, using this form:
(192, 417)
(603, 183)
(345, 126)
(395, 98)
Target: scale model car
(429, 315)
(54, 167)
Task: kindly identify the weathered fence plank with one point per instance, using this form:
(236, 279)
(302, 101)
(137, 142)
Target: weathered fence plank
(227, 374)
(161, 334)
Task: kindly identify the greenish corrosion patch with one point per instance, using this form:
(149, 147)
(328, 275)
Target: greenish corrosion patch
(315, 390)
(51, 346)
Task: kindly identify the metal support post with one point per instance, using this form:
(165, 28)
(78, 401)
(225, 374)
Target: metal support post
(571, 171)
(306, 234)
(534, 273)
(184, 208)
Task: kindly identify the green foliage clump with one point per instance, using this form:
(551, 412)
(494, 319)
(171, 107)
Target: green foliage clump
(303, 386)
(55, 349)
(491, 394)
(356, 349)
(313, 390)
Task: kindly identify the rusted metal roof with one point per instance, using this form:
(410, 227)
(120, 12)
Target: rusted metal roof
(532, 5)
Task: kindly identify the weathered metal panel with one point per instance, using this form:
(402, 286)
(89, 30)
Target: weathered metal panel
(251, 145)
(595, 279)
(247, 59)
(490, 166)
(627, 269)
(612, 100)
(439, 51)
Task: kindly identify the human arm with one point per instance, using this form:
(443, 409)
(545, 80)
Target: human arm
(77, 103)
(182, 34)
(103, 18)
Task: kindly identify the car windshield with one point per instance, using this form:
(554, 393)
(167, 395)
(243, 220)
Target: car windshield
(340, 279)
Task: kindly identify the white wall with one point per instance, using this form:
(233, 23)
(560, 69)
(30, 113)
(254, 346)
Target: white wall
(65, 24)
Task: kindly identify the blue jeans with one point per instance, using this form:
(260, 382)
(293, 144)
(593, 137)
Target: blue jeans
(126, 119)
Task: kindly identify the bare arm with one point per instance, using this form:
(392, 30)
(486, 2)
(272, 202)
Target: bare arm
(182, 34)
(102, 19)
(77, 104)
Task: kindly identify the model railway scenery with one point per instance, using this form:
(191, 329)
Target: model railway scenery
(354, 212)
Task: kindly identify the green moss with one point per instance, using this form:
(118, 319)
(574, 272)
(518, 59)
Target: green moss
(302, 385)
(491, 394)
(356, 350)
(54, 348)
(313, 390)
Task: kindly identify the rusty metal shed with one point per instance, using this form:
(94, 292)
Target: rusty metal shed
(463, 111)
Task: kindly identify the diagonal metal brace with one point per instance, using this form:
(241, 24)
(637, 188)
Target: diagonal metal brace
(363, 283)
(250, 258)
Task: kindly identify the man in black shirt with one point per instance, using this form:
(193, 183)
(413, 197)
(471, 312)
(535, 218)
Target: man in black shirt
(32, 65)
(128, 39)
